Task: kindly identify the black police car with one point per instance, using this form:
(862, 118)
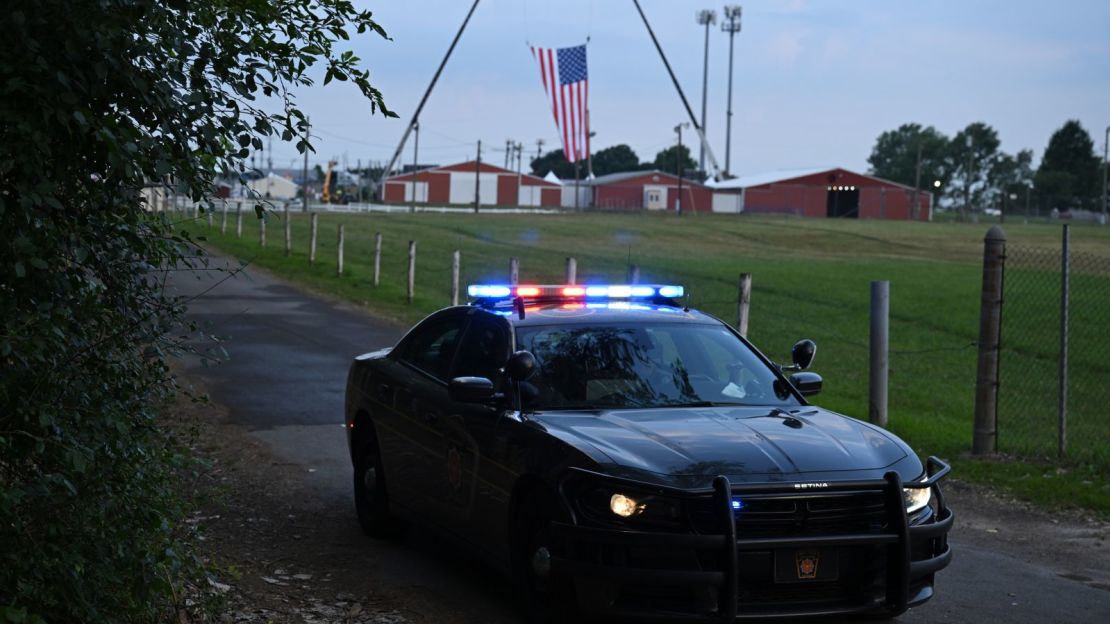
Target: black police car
(637, 458)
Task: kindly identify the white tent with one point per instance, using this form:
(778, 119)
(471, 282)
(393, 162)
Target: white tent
(551, 177)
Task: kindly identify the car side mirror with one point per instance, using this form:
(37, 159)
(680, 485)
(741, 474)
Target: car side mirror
(802, 353)
(807, 384)
(471, 390)
(521, 366)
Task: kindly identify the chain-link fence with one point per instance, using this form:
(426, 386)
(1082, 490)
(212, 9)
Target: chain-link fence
(1050, 406)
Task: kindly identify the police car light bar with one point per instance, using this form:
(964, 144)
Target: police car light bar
(572, 291)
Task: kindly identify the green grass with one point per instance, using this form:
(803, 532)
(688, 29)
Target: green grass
(810, 279)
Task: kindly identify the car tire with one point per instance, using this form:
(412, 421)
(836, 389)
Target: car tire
(549, 598)
(371, 494)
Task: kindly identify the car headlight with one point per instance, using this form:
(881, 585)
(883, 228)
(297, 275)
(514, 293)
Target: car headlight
(617, 505)
(916, 498)
(625, 506)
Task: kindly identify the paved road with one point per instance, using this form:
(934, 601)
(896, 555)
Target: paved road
(284, 378)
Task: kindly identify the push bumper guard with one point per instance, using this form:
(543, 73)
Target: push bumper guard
(901, 570)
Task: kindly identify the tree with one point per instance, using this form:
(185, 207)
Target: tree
(555, 161)
(894, 157)
(1009, 178)
(976, 146)
(1069, 173)
(615, 159)
(673, 160)
(102, 101)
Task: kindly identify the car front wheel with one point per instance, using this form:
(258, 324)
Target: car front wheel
(371, 494)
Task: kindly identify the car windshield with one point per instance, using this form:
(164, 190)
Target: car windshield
(644, 366)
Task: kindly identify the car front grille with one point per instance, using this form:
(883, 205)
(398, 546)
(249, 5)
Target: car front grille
(797, 516)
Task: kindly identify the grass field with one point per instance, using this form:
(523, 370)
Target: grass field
(810, 280)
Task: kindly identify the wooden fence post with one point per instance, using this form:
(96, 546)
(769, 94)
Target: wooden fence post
(743, 303)
(262, 231)
(288, 231)
(239, 220)
(514, 271)
(455, 278)
(377, 258)
(223, 221)
(633, 274)
(412, 270)
(985, 432)
(312, 238)
(339, 252)
(208, 215)
(572, 270)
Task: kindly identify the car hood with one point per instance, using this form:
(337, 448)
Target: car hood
(742, 443)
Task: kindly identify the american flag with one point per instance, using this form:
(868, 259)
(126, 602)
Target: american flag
(565, 81)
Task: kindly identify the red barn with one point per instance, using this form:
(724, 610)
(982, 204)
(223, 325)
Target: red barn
(649, 190)
(834, 192)
(455, 184)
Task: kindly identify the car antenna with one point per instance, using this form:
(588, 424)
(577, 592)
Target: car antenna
(518, 305)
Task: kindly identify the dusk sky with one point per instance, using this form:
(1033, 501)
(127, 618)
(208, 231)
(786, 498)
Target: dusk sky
(815, 82)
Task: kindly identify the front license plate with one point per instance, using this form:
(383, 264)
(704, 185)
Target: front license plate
(806, 565)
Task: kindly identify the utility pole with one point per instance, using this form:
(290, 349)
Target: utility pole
(508, 152)
(415, 154)
(589, 153)
(304, 179)
(967, 185)
(477, 176)
(678, 167)
(1105, 148)
(916, 183)
(731, 25)
(519, 147)
(705, 18)
(539, 147)
(270, 155)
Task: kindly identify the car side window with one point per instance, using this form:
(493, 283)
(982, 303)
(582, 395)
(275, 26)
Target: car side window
(432, 347)
(484, 350)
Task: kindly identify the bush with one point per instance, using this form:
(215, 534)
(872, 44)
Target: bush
(100, 99)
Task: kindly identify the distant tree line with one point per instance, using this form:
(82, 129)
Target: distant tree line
(615, 159)
(969, 172)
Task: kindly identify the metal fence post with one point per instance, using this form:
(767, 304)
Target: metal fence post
(455, 278)
(743, 303)
(339, 252)
(514, 271)
(412, 270)
(377, 258)
(985, 432)
(312, 238)
(572, 270)
(1065, 285)
(880, 352)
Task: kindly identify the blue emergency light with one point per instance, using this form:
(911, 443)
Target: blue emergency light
(574, 292)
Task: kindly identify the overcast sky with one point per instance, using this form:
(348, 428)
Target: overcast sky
(815, 82)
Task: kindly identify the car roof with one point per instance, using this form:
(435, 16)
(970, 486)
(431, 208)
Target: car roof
(566, 313)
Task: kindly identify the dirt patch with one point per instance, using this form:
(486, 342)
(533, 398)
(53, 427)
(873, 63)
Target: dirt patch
(281, 556)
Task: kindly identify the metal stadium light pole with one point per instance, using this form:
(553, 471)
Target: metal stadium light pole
(705, 17)
(731, 25)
